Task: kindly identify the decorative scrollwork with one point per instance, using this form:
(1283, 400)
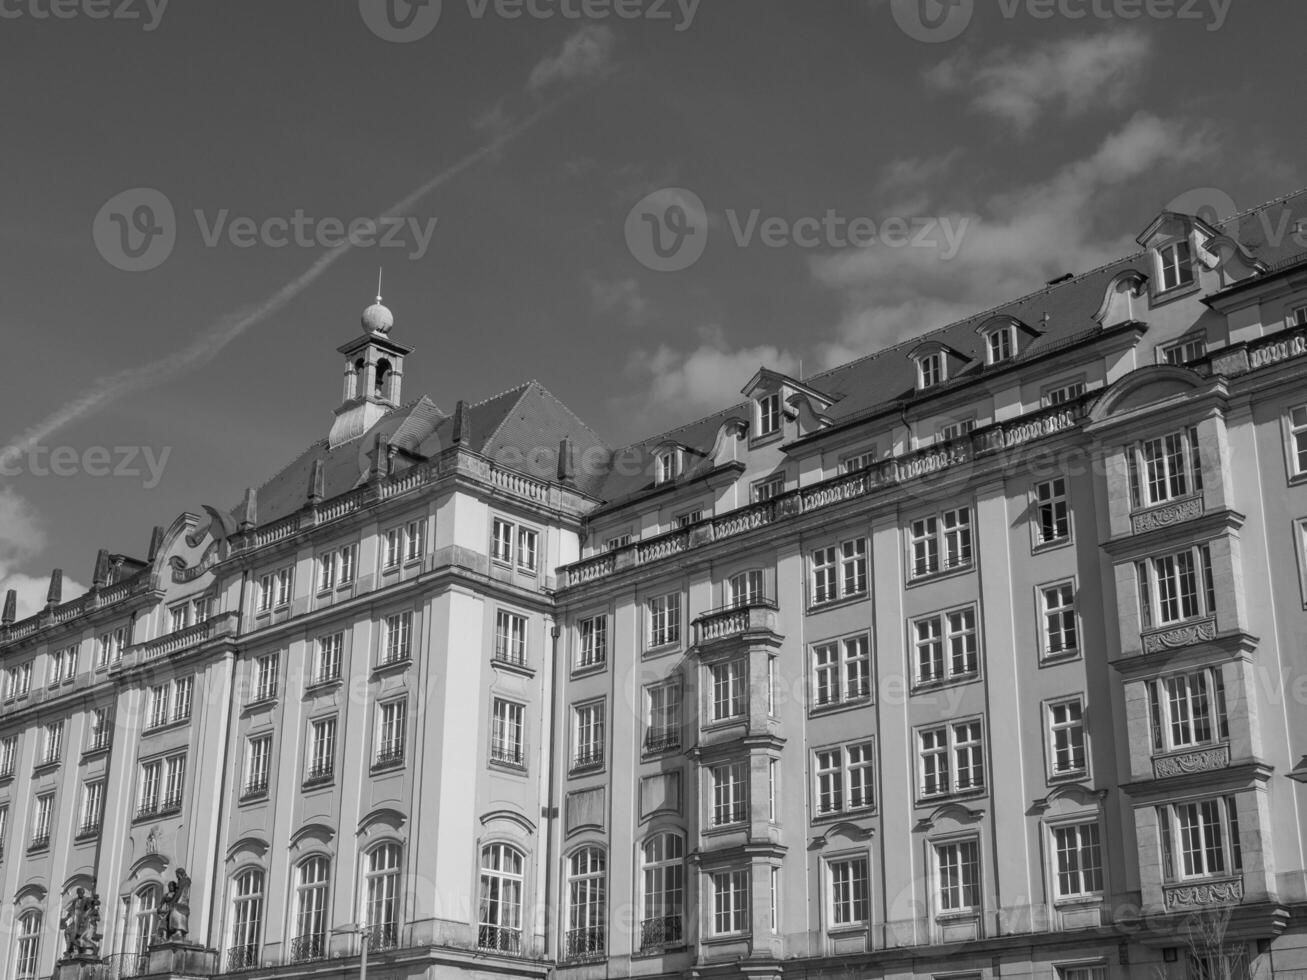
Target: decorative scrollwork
(1204, 895)
(1203, 631)
(1173, 513)
(1191, 762)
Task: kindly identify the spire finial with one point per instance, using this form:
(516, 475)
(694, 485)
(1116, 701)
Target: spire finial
(380, 270)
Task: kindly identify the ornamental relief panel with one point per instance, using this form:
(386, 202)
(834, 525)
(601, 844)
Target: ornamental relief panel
(1171, 638)
(1190, 762)
(1183, 897)
(1176, 512)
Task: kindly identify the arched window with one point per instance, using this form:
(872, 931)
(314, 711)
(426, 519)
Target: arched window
(500, 923)
(383, 377)
(663, 859)
(141, 923)
(381, 903)
(246, 920)
(310, 927)
(587, 904)
(29, 945)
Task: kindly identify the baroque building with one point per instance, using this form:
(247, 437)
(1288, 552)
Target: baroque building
(980, 656)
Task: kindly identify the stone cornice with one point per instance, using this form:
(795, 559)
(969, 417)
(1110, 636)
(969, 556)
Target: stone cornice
(1128, 547)
(1240, 775)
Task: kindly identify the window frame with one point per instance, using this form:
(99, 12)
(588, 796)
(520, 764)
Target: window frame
(728, 802)
(591, 643)
(1149, 580)
(501, 879)
(963, 909)
(662, 890)
(943, 640)
(391, 716)
(852, 672)
(1167, 353)
(1046, 612)
(507, 733)
(1147, 472)
(1175, 258)
(1053, 728)
(849, 861)
(938, 539)
(1063, 392)
(833, 778)
(1164, 719)
(586, 885)
(1295, 435)
(1084, 872)
(1050, 503)
(666, 606)
(769, 414)
(845, 567)
(731, 903)
(949, 751)
(1172, 845)
(589, 735)
(1003, 337)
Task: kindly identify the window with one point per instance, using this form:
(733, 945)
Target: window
(274, 589)
(1066, 738)
(930, 370)
(8, 755)
(18, 682)
(768, 489)
(392, 719)
(202, 608)
(394, 549)
(399, 630)
(841, 671)
(101, 730)
(730, 783)
(839, 571)
(171, 702)
(1079, 858)
(92, 807)
(109, 647)
(941, 543)
(183, 694)
(310, 927)
(53, 743)
(499, 925)
(501, 543)
(730, 902)
(327, 658)
(689, 518)
(258, 759)
(1175, 588)
(1052, 511)
(1176, 262)
(961, 742)
(587, 906)
(846, 778)
(769, 414)
(1199, 839)
(663, 866)
(594, 642)
(29, 946)
(858, 461)
(266, 669)
(850, 894)
(775, 900)
(946, 647)
(729, 690)
(322, 752)
(1059, 612)
(179, 617)
(665, 620)
(663, 716)
(63, 666)
(955, 430)
(1165, 468)
(618, 542)
(527, 546)
(1185, 351)
(1062, 394)
(745, 588)
(510, 637)
(140, 924)
(958, 869)
(506, 732)
(42, 813)
(4, 826)
(381, 897)
(336, 568)
(588, 736)
(1082, 973)
(158, 705)
(1000, 345)
(415, 539)
(246, 920)
(1187, 710)
(1298, 317)
(667, 466)
(174, 782)
(151, 777)
(1298, 439)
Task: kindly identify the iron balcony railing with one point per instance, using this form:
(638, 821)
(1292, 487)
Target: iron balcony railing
(500, 939)
(590, 757)
(320, 775)
(662, 739)
(389, 756)
(384, 935)
(242, 958)
(585, 944)
(660, 932)
(313, 947)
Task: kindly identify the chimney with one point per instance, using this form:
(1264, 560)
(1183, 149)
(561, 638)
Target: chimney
(566, 462)
(462, 426)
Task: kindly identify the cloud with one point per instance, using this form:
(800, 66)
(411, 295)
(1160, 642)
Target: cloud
(585, 54)
(620, 298)
(22, 538)
(1071, 76)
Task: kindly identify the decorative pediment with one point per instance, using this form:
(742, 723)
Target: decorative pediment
(31, 894)
(1145, 386)
(1234, 261)
(955, 812)
(729, 434)
(312, 833)
(492, 817)
(147, 864)
(255, 847)
(382, 819)
(844, 829)
(1171, 225)
(81, 880)
(767, 382)
(1119, 298)
(1072, 792)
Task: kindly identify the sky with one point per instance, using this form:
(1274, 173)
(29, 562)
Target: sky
(635, 202)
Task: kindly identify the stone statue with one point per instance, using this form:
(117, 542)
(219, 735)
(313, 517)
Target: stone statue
(80, 924)
(173, 914)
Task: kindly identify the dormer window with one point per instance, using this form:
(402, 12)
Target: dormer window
(930, 370)
(667, 466)
(1000, 344)
(1176, 261)
(769, 414)
(1298, 318)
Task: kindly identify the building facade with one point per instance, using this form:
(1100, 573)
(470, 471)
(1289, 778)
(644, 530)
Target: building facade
(981, 656)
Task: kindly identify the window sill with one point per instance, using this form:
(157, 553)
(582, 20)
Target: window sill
(664, 949)
(958, 797)
(261, 703)
(946, 573)
(928, 687)
(1069, 902)
(966, 915)
(1162, 296)
(87, 834)
(393, 765)
(735, 826)
(393, 666)
(166, 726)
(519, 667)
(45, 768)
(1040, 547)
(835, 816)
(590, 669)
(318, 782)
(586, 768)
(253, 796)
(835, 707)
(661, 649)
(1070, 776)
(723, 938)
(847, 931)
(513, 768)
(322, 687)
(1061, 656)
(816, 606)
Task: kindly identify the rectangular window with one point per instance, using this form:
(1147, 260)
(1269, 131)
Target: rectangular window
(1079, 858)
(1063, 394)
(258, 761)
(1176, 588)
(18, 681)
(1298, 439)
(1200, 839)
(588, 736)
(173, 783)
(665, 620)
(958, 868)
(842, 671)
(768, 489)
(392, 722)
(999, 345)
(510, 637)
(399, 632)
(336, 568)
(506, 732)
(1066, 738)
(179, 617)
(322, 751)
(941, 543)
(1298, 317)
(769, 414)
(42, 815)
(730, 890)
(158, 705)
(663, 716)
(53, 746)
(266, 670)
(1053, 513)
(955, 430)
(846, 779)
(1059, 617)
(8, 755)
(527, 546)
(858, 461)
(745, 588)
(930, 370)
(1177, 264)
(729, 690)
(283, 592)
(839, 571)
(1165, 468)
(618, 542)
(110, 646)
(394, 548)
(730, 786)
(594, 642)
(689, 518)
(946, 646)
(1187, 710)
(501, 543)
(183, 693)
(951, 759)
(101, 730)
(415, 540)
(151, 776)
(92, 807)
(850, 892)
(327, 658)
(63, 666)
(1185, 351)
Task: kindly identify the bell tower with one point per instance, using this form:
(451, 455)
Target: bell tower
(374, 373)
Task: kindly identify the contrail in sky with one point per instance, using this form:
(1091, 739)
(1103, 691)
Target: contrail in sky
(113, 386)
